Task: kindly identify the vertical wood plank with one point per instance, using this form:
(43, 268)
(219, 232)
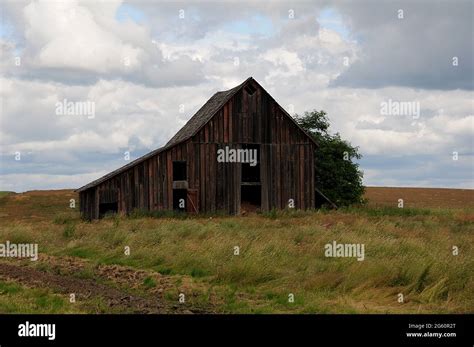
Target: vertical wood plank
(226, 123)
(169, 168)
(231, 121)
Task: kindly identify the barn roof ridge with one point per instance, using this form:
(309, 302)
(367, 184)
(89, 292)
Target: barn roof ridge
(204, 114)
(192, 126)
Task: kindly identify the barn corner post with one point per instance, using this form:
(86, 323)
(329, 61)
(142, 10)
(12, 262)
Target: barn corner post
(189, 175)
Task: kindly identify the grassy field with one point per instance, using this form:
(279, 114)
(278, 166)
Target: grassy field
(281, 256)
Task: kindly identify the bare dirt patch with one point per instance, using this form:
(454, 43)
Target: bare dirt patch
(62, 278)
(82, 288)
(123, 276)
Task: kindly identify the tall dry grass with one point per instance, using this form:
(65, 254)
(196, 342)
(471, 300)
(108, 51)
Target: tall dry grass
(407, 251)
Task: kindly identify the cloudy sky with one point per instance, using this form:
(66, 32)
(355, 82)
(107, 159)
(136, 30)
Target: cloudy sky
(147, 67)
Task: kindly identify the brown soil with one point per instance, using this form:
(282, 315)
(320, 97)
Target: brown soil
(61, 279)
(124, 276)
(246, 208)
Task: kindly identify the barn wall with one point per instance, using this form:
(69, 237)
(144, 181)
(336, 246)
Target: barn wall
(88, 204)
(286, 155)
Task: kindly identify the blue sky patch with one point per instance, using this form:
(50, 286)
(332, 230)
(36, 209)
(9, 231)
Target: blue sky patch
(331, 19)
(128, 12)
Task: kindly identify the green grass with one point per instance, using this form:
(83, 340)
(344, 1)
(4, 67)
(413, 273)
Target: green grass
(15, 298)
(384, 211)
(149, 282)
(69, 230)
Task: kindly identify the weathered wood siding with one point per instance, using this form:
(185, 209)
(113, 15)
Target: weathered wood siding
(286, 155)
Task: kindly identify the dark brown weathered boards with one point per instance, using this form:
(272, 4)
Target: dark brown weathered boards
(186, 175)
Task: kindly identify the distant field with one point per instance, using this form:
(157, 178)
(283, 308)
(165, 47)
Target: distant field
(421, 197)
(408, 251)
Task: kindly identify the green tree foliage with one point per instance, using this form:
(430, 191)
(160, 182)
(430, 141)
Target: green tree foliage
(337, 174)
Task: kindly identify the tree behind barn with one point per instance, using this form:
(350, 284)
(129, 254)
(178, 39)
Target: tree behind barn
(337, 174)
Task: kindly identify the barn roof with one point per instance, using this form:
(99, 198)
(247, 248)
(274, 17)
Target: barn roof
(203, 115)
(200, 119)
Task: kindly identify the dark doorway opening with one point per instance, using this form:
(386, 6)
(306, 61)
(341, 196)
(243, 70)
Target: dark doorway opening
(179, 199)
(250, 188)
(251, 173)
(107, 208)
(250, 198)
(251, 194)
(179, 171)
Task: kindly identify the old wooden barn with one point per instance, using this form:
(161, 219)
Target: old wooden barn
(189, 172)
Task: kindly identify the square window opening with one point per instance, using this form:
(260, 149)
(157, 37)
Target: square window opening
(179, 171)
